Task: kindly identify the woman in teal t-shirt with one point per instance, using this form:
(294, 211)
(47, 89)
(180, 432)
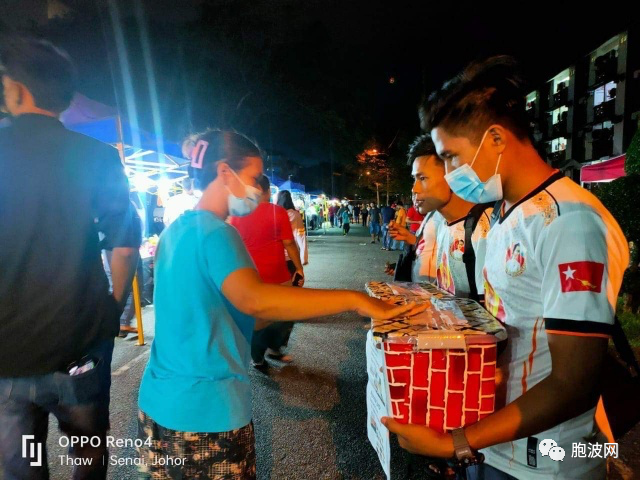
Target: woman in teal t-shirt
(195, 395)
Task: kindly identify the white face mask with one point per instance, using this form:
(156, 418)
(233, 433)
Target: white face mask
(241, 207)
(465, 183)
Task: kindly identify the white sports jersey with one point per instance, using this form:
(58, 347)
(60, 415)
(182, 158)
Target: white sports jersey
(424, 266)
(554, 264)
(451, 271)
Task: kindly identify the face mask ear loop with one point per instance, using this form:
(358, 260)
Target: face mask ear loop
(237, 176)
(479, 147)
(498, 164)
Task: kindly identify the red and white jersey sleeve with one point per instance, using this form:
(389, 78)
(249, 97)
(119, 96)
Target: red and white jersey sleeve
(582, 255)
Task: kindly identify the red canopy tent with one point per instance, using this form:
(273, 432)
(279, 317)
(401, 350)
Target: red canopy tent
(603, 171)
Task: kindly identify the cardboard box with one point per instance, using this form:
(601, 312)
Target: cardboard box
(439, 367)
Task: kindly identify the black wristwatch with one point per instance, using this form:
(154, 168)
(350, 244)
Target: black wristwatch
(464, 455)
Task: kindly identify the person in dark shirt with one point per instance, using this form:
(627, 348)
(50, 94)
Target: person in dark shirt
(388, 213)
(356, 214)
(365, 214)
(58, 191)
(374, 223)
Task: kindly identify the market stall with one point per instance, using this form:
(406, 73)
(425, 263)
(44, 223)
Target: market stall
(154, 167)
(604, 171)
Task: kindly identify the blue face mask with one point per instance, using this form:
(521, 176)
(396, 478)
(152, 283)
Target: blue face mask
(465, 183)
(241, 207)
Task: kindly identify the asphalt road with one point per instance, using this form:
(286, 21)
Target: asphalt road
(310, 416)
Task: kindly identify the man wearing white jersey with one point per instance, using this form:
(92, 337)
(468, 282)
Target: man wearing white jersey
(441, 238)
(553, 269)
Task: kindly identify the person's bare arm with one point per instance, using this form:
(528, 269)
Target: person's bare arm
(123, 267)
(571, 389)
(244, 289)
(402, 234)
(294, 254)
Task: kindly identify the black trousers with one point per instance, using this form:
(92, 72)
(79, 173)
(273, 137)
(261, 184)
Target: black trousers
(81, 405)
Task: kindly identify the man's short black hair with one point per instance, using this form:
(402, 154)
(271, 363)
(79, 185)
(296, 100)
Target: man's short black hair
(44, 69)
(422, 146)
(487, 92)
(265, 184)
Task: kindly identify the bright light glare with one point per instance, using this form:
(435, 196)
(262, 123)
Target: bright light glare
(164, 184)
(142, 183)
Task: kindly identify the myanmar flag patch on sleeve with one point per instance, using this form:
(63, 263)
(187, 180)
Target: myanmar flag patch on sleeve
(581, 276)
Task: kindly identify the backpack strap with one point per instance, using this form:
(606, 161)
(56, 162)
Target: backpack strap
(469, 255)
(624, 349)
(495, 215)
(425, 220)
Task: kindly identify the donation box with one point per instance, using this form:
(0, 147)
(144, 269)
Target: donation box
(436, 369)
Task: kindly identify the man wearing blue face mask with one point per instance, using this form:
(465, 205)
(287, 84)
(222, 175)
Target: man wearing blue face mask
(451, 244)
(553, 269)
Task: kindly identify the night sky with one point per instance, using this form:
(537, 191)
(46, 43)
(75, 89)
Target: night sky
(310, 79)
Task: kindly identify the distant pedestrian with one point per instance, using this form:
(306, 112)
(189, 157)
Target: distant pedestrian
(356, 214)
(340, 212)
(345, 222)
(414, 219)
(374, 223)
(388, 214)
(332, 215)
(365, 215)
(400, 220)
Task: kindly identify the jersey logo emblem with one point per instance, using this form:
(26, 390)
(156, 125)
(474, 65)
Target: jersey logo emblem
(515, 262)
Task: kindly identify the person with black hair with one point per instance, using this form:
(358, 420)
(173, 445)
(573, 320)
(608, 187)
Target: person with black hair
(356, 213)
(453, 226)
(195, 394)
(346, 221)
(339, 217)
(414, 217)
(553, 269)
(59, 190)
(400, 220)
(332, 214)
(299, 234)
(267, 235)
(387, 213)
(375, 217)
(297, 226)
